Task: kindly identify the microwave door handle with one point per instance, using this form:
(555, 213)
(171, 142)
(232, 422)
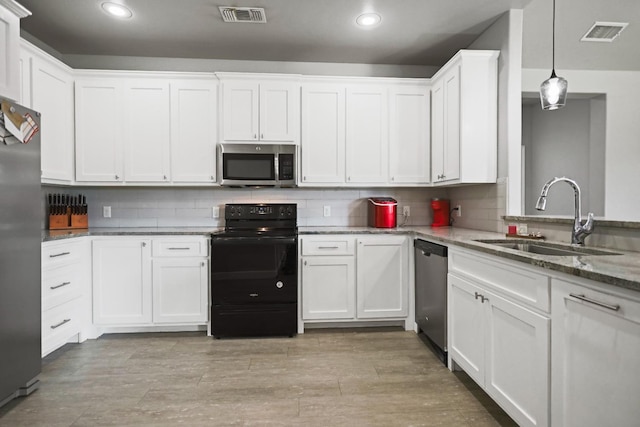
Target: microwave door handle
(276, 165)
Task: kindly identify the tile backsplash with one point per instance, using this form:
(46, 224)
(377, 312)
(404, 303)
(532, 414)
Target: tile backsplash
(192, 207)
(483, 206)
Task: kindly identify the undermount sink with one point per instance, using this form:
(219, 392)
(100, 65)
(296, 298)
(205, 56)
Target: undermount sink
(544, 248)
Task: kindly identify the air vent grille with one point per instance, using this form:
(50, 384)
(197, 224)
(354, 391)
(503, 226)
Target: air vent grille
(252, 15)
(604, 31)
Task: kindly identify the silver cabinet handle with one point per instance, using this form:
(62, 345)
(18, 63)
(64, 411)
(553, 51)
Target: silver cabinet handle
(60, 285)
(178, 249)
(615, 307)
(60, 254)
(305, 263)
(253, 295)
(482, 297)
(60, 324)
(327, 247)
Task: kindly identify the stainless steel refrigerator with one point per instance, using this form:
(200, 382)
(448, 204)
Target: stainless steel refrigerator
(20, 242)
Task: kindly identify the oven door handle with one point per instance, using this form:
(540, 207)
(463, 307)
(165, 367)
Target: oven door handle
(220, 240)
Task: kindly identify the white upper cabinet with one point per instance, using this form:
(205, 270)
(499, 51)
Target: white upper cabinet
(323, 133)
(259, 108)
(409, 134)
(367, 141)
(99, 133)
(193, 130)
(154, 128)
(464, 119)
(10, 14)
(47, 87)
(146, 130)
(364, 131)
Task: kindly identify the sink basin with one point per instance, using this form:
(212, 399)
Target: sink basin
(543, 248)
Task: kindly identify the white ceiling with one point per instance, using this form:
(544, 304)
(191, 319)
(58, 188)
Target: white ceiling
(412, 32)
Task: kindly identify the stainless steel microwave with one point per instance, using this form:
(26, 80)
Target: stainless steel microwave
(257, 165)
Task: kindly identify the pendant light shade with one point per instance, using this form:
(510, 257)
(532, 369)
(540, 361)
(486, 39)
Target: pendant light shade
(553, 91)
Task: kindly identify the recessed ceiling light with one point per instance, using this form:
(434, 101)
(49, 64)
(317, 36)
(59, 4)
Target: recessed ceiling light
(368, 19)
(117, 10)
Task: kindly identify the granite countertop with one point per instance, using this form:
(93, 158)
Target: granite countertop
(619, 270)
(52, 235)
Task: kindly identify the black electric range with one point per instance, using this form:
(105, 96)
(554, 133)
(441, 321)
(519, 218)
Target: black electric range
(254, 277)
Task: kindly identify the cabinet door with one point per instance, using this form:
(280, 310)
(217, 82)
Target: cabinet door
(437, 131)
(193, 131)
(240, 111)
(323, 133)
(409, 135)
(518, 360)
(382, 281)
(452, 125)
(9, 54)
(121, 282)
(328, 288)
(180, 290)
(52, 96)
(367, 134)
(595, 358)
(99, 105)
(146, 130)
(466, 324)
(277, 112)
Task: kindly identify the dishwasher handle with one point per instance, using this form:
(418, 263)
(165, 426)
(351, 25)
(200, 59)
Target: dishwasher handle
(429, 248)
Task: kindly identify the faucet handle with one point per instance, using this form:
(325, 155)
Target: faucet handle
(588, 225)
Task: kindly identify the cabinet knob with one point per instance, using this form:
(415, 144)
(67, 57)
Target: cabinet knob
(117, 177)
(304, 178)
(212, 178)
(262, 136)
(393, 178)
(305, 263)
(255, 136)
(165, 177)
(144, 244)
(202, 264)
(348, 178)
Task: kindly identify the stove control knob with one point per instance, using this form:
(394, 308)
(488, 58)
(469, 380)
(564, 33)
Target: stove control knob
(289, 211)
(240, 210)
(232, 210)
(279, 284)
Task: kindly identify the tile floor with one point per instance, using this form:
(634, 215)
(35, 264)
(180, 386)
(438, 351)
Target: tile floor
(364, 377)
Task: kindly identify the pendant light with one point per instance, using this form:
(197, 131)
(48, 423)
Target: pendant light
(553, 91)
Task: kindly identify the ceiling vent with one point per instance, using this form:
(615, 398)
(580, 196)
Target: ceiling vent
(252, 15)
(604, 31)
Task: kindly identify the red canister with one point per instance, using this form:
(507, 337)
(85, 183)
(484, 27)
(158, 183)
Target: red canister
(440, 212)
(382, 212)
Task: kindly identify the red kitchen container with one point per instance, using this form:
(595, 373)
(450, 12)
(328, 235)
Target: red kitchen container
(440, 212)
(382, 212)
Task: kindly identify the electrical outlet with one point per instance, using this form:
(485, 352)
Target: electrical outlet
(406, 210)
(458, 211)
(326, 210)
(215, 212)
(106, 211)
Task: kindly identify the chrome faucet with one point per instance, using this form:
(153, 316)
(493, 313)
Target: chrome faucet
(580, 231)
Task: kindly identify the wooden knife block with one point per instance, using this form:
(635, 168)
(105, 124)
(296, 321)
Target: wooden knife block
(68, 221)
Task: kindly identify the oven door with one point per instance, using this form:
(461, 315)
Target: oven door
(253, 270)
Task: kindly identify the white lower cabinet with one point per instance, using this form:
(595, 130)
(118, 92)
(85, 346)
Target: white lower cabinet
(502, 342)
(329, 287)
(66, 293)
(354, 278)
(148, 281)
(382, 266)
(180, 290)
(122, 281)
(596, 342)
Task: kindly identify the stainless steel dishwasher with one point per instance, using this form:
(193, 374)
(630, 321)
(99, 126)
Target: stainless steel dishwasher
(431, 293)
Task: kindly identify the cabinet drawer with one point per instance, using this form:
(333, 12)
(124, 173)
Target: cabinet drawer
(180, 247)
(332, 245)
(513, 280)
(59, 324)
(59, 285)
(57, 254)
